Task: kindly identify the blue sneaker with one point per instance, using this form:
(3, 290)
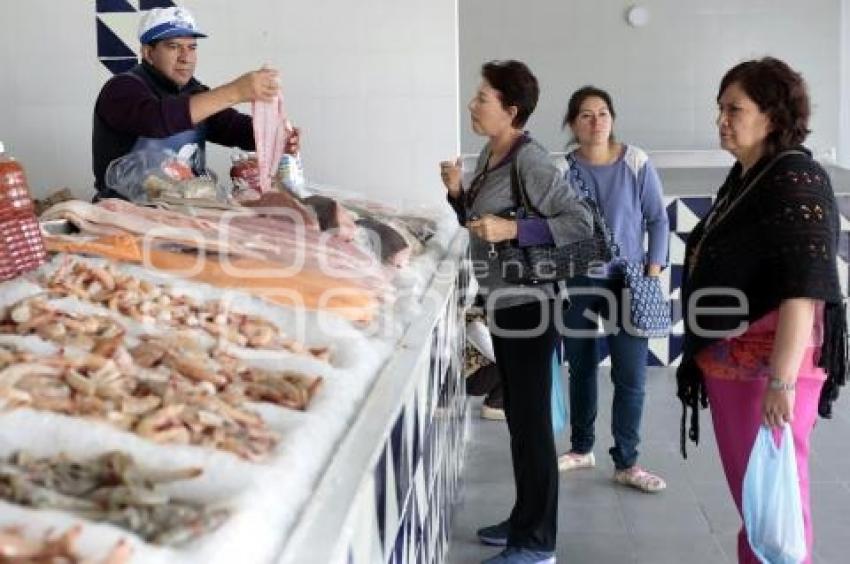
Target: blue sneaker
(515, 555)
(494, 535)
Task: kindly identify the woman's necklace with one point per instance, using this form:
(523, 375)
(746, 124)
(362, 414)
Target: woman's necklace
(717, 211)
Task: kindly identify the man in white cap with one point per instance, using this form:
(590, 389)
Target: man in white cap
(160, 105)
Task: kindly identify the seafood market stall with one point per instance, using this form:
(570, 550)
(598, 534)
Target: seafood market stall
(397, 507)
(191, 381)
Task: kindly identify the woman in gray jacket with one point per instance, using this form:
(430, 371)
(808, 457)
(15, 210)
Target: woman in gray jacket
(521, 318)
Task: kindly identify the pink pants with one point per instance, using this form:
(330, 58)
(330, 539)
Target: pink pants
(736, 413)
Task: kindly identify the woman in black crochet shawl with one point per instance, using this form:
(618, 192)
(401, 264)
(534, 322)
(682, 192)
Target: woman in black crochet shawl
(774, 349)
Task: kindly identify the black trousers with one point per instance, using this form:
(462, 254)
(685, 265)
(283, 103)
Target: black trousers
(525, 366)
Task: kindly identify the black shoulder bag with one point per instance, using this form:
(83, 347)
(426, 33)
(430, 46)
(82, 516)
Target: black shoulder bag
(550, 263)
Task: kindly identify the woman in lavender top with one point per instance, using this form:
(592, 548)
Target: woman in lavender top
(627, 189)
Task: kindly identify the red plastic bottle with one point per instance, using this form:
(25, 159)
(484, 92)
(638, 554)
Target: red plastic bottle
(21, 245)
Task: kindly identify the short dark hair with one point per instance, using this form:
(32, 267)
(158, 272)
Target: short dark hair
(517, 86)
(578, 98)
(778, 91)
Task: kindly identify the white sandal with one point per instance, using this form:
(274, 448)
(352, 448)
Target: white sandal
(638, 478)
(575, 460)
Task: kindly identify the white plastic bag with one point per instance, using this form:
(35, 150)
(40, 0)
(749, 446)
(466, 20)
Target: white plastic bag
(773, 512)
(479, 336)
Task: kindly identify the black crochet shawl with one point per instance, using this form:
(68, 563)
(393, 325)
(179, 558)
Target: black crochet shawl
(778, 242)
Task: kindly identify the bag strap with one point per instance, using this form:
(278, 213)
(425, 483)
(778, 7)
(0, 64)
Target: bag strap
(712, 221)
(520, 196)
(577, 179)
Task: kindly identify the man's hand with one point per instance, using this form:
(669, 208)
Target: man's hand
(451, 173)
(493, 229)
(653, 270)
(256, 86)
(261, 85)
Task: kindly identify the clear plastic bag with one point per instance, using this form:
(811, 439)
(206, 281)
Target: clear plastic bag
(148, 174)
(773, 513)
(245, 176)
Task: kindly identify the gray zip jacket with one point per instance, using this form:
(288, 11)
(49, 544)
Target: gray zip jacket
(568, 217)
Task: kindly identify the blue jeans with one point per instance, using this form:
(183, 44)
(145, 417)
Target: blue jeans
(628, 370)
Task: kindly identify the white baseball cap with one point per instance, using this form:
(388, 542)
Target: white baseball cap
(162, 23)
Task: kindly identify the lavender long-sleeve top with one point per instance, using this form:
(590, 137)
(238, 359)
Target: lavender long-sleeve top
(630, 196)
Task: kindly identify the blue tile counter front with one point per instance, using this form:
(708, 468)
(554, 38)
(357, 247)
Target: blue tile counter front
(684, 213)
(387, 496)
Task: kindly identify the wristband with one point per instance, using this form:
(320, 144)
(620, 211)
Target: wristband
(777, 384)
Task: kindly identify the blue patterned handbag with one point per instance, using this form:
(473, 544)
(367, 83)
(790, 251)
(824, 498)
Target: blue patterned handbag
(649, 309)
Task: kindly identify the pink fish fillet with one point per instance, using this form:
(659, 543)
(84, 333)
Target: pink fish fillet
(271, 130)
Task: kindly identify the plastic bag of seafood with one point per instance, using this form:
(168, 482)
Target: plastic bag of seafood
(149, 174)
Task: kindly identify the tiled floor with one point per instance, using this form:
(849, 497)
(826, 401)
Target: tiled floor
(693, 521)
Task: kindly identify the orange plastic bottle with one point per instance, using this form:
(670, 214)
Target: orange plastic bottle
(21, 245)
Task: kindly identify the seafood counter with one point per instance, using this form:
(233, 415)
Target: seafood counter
(182, 381)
